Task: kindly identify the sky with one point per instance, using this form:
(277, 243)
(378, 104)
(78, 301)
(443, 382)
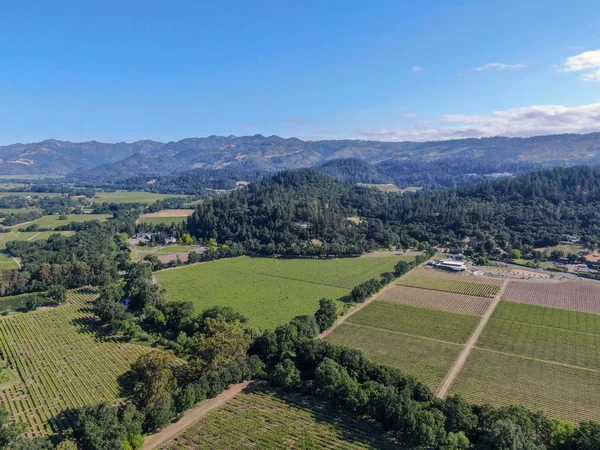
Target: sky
(383, 70)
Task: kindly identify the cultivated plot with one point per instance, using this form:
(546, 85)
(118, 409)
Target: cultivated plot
(567, 393)
(426, 359)
(444, 301)
(269, 292)
(62, 360)
(261, 419)
(456, 286)
(132, 197)
(576, 295)
(416, 321)
(166, 216)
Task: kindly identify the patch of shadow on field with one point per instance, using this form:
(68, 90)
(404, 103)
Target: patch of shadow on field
(346, 425)
(61, 424)
(93, 325)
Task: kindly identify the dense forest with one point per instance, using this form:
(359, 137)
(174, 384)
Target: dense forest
(303, 212)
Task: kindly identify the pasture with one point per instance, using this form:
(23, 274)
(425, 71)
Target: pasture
(575, 295)
(6, 262)
(444, 301)
(132, 197)
(63, 361)
(29, 236)
(567, 393)
(270, 292)
(267, 420)
(54, 221)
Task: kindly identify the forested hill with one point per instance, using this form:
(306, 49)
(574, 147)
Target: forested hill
(304, 212)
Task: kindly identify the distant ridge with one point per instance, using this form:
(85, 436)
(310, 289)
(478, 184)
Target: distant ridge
(273, 153)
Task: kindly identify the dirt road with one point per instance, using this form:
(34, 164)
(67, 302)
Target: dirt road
(169, 432)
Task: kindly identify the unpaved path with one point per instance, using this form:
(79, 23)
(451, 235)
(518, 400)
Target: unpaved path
(194, 414)
(35, 235)
(17, 262)
(460, 362)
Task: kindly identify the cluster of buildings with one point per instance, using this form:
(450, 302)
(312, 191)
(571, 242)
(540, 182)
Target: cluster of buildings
(456, 264)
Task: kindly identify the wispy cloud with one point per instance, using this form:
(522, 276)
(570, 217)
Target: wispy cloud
(525, 121)
(499, 66)
(588, 62)
(417, 69)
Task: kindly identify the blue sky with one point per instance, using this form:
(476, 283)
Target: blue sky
(114, 71)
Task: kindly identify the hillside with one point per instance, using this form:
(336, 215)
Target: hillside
(304, 212)
(273, 153)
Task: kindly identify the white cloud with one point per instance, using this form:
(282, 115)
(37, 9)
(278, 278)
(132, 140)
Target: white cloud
(499, 66)
(585, 61)
(525, 121)
(417, 69)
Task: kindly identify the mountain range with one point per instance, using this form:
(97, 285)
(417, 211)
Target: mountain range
(121, 160)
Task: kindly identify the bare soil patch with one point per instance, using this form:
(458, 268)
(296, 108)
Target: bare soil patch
(169, 213)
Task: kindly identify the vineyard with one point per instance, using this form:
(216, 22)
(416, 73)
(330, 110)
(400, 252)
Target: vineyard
(444, 301)
(63, 361)
(563, 392)
(543, 340)
(262, 420)
(575, 295)
(426, 359)
(270, 292)
(456, 286)
(411, 320)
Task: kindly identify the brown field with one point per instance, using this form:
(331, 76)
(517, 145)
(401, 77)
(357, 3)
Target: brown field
(444, 301)
(575, 295)
(169, 213)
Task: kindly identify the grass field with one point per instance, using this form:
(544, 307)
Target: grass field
(270, 292)
(575, 295)
(523, 331)
(29, 236)
(444, 301)
(131, 197)
(167, 216)
(426, 359)
(563, 392)
(63, 361)
(458, 286)
(6, 262)
(30, 194)
(261, 420)
(54, 221)
(5, 211)
(412, 320)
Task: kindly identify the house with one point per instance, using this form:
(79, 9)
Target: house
(301, 224)
(458, 256)
(570, 239)
(171, 241)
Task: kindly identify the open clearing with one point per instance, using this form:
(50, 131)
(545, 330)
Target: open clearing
(132, 197)
(267, 420)
(6, 262)
(564, 392)
(575, 295)
(63, 361)
(54, 221)
(166, 216)
(417, 321)
(29, 236)
(427, 360)
(444, 301)
(270, 292)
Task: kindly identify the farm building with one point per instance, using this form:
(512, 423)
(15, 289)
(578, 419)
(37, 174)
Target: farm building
(449, 264)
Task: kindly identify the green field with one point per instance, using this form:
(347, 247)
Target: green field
(530, 335)
(30, 194)
(258, 419)
(159, 220)
(6, 262)
(426, 359)
(63, 361)
(29, 236)
(54, 221)
(131, 197)
(413, 320)
(5, 211)
(270, 292)
(566, 393)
